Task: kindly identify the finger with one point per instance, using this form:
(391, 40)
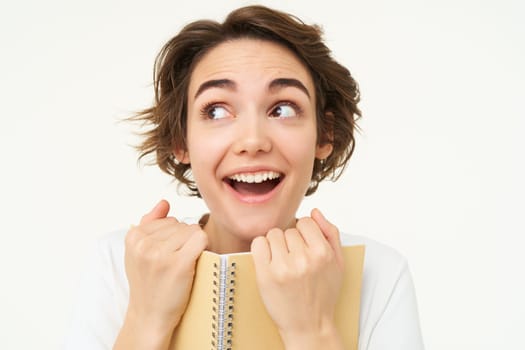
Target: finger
(294, 241)
(178, 239)
(162, 229)
(195, 245)
(277, 243)
(261, 252)
(330, 231)
(159, 211)
(312, 233)
(156, 229)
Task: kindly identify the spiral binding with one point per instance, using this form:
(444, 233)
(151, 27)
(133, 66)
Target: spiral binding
(223, 298)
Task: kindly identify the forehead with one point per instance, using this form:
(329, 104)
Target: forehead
(249, 61)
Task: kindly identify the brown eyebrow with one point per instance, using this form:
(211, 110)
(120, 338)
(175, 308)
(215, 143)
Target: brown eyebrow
(230, 85)
(220, 83)
(287, 82)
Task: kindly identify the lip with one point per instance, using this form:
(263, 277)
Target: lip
(254, 199)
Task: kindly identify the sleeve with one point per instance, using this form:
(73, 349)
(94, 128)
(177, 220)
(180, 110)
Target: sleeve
(101, 300)
(397, 325)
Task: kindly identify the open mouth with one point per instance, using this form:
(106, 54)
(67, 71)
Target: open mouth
(254, 184)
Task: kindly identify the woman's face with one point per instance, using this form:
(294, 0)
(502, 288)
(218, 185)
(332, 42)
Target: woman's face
(251, 137)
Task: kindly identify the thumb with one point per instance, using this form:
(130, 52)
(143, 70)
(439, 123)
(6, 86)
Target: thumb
(160, 211)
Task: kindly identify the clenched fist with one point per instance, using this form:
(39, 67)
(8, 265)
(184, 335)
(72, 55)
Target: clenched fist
(160, 262)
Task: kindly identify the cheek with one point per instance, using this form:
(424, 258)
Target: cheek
(204, 143)
(299, 148)
(206, 152)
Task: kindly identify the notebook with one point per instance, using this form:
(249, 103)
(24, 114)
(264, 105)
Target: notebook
(225, 310)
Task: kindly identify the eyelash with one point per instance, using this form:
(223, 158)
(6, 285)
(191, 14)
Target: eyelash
(206, 109)
(294, 106)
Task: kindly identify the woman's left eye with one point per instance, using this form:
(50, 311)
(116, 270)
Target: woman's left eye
(285, 110)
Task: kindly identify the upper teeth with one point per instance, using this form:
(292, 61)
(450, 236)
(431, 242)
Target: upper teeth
(255, 177)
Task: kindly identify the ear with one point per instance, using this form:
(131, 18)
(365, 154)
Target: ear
(325, 148)
(323, 151)
(182, 156)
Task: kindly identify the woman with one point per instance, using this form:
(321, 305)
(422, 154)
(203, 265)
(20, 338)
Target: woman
(250, 115)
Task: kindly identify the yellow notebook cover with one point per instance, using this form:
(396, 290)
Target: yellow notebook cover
(239, 320)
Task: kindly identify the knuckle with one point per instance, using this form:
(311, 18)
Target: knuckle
(303, 266)
(132, 236)
(146, 251)
(171, 220)
(142, 247)
(281, 275)
(322, 255)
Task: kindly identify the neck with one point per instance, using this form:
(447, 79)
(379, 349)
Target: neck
(220, 240)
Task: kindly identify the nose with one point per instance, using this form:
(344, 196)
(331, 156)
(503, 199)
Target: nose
(253, 136)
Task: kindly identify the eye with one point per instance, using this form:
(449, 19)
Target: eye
(215, 111)
(285, 110)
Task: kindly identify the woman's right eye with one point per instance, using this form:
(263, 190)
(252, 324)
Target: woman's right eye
(215, 112)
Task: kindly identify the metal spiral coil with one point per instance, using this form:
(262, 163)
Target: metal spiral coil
(222, 309)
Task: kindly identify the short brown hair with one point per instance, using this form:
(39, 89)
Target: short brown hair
(337, 93)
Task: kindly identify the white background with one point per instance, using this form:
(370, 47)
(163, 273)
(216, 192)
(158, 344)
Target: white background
(437, 173)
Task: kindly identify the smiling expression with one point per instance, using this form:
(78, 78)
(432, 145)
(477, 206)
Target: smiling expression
(251, 139)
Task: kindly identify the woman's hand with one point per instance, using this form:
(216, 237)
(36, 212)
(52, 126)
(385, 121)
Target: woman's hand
(160, 262)
(299, 274)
